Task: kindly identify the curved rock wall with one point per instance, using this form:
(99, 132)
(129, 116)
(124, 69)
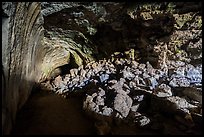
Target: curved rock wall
(21, 37)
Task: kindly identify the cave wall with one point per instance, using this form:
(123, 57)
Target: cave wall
(22, 32)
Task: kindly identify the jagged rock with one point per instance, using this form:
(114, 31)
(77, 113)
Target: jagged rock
(107, 111)
(179, 82)
(150, 69)
(137, 72)
(90, 105)
(152, 82)
(128, 75)
(101, 92)
(177, 103)
(194, 75)
(138, 119)
(122, 104)
(134, 108)
(132, 84)
(145, 75)
(112, 81)
(47, 86)
(57, 81)
(142, 67)
(138, 98)
(139, 81)
(175, 64)
(99, 101)
(89, 73)
(134, 64)
(121, 91)
(83, 73)
(180, 72)
(159, 74)
(104, 77)
(118, 85)
(163, 90)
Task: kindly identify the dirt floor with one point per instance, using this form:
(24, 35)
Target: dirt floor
(49, 113)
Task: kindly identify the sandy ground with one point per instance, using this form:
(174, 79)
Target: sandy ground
(48, 113)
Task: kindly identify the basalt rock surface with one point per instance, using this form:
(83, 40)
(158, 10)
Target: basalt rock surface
(22, 32)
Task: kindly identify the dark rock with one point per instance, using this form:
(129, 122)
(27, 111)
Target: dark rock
(197, 118)
(187, 120)
(102, 127)
(193, 93)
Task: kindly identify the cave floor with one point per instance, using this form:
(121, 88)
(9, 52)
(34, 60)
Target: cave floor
(49, 113)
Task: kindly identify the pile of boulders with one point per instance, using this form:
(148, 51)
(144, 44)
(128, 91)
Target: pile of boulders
(133, 92)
